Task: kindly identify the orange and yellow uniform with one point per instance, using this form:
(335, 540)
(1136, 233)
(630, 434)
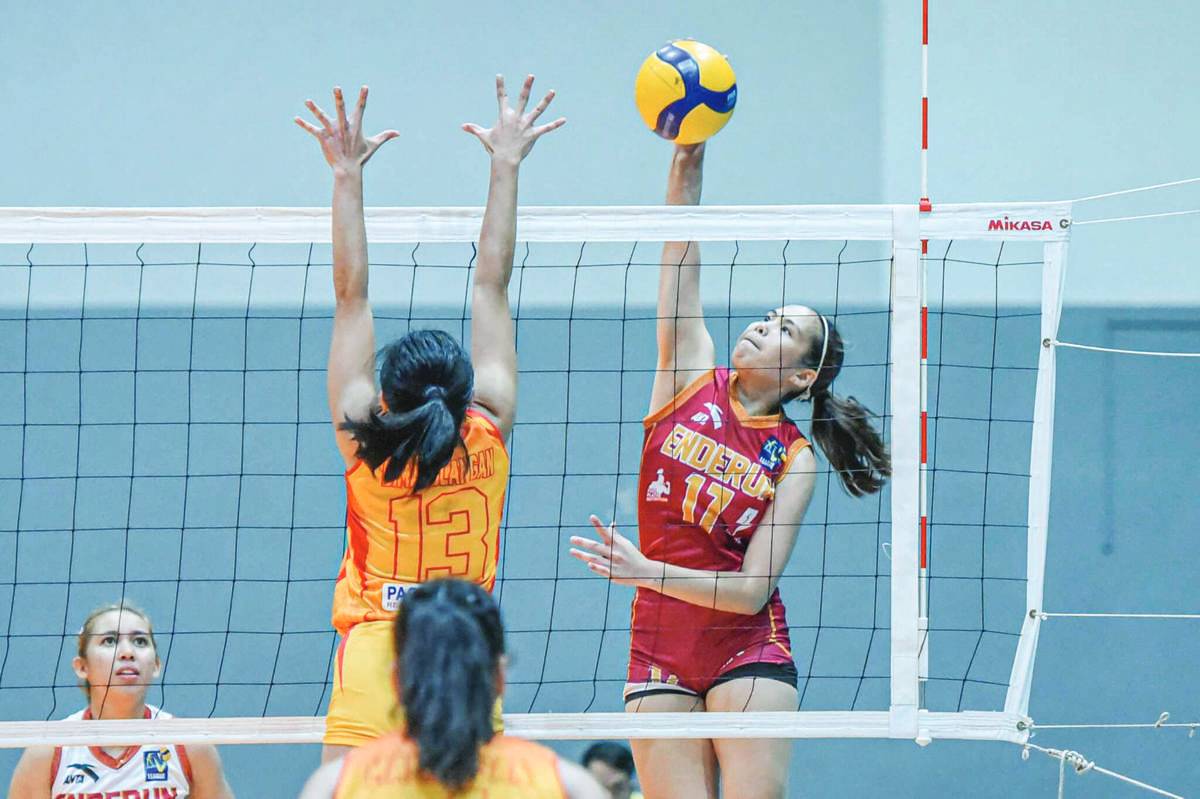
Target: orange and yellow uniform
(396, 539)
(509, 768)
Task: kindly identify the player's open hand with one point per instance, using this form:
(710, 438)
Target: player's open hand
(514, 134)
(614, 556)
(343, 144)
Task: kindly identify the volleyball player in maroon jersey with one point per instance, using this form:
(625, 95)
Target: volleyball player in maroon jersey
(725, 480)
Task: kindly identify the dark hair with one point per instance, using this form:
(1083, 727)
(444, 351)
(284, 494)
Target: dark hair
(614, 754)
(841, 426)
(449, 640)
(427, 381)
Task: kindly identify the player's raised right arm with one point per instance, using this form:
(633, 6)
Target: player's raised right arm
(350, 380)
(685, 349)
(493, 337)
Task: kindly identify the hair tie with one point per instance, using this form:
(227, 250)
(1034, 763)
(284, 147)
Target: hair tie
(434, 392)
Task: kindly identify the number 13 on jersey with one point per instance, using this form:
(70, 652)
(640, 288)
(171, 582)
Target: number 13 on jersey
(446, 535)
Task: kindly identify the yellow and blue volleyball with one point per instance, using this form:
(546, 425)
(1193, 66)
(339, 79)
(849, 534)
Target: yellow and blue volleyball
(685, 91)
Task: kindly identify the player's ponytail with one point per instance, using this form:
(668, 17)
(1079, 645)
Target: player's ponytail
(449, 641)
(841, 426)
(427, 382)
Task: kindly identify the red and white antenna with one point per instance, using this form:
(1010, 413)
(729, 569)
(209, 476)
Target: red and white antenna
(926, 207)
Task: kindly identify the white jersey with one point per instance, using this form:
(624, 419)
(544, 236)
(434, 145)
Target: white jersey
(140, 772)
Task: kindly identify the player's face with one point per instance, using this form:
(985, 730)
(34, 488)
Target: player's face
(779, 342)
(616, 782)
(120, 653)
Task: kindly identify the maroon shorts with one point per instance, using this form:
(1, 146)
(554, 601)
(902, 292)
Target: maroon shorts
(672, 663)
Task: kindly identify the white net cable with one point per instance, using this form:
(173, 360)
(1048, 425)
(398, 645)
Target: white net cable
(1082, 765)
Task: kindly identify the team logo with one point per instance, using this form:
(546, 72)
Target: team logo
(659, 490)
(84, 771)
(391, 596)
(714, 411)
(771, 454)
(155, 763)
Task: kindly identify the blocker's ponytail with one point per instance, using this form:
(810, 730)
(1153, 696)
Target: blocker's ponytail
(427, 382)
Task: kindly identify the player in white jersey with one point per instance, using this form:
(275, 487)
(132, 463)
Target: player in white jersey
(116, 664)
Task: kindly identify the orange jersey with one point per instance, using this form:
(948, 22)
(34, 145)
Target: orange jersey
(397, 538)
(509, 768)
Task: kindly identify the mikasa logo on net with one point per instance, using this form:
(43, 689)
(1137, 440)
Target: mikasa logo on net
(1025, 224)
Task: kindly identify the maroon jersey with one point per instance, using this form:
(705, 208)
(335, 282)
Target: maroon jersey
(708, 472)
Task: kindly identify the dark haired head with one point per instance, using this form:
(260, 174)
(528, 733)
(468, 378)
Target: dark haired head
(614, 754)
(427, 380)
(449, 643)
(841, 426)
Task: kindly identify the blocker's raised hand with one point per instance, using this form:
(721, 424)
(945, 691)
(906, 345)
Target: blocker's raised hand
(343, 144)
(514, 134)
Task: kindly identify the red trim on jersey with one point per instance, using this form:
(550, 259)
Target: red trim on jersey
(798, 446)
(745, 418)
(358, 542)
(105, 757)
(185, 763)
(682, 396)
(341, 654)
(489, 422)
(55, 764)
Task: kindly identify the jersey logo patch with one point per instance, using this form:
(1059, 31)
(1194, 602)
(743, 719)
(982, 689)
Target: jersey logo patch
(85, 770)
(155, 763)
(771, 454)
(714, 411)
(391, 596)
(659, 490)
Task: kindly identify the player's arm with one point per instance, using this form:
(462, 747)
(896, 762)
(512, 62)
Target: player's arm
(31, 778)
(743, 591)
(578, 783)
(350, 379)
(493, 338)
(208, 779)
(685, 349)
(323, 782)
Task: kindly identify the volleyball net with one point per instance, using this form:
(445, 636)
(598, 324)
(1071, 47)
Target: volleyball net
(165, 438)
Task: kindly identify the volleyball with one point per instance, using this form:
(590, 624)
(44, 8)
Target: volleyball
(685, 91)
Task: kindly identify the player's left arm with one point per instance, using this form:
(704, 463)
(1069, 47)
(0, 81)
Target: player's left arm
(743, 591)
(323, 782)
(493, 337)
(208, 778)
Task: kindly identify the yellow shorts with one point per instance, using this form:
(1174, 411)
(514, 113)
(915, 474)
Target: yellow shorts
(363, 705)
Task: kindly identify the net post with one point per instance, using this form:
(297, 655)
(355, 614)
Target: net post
(904, 386)
(1054, 255)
